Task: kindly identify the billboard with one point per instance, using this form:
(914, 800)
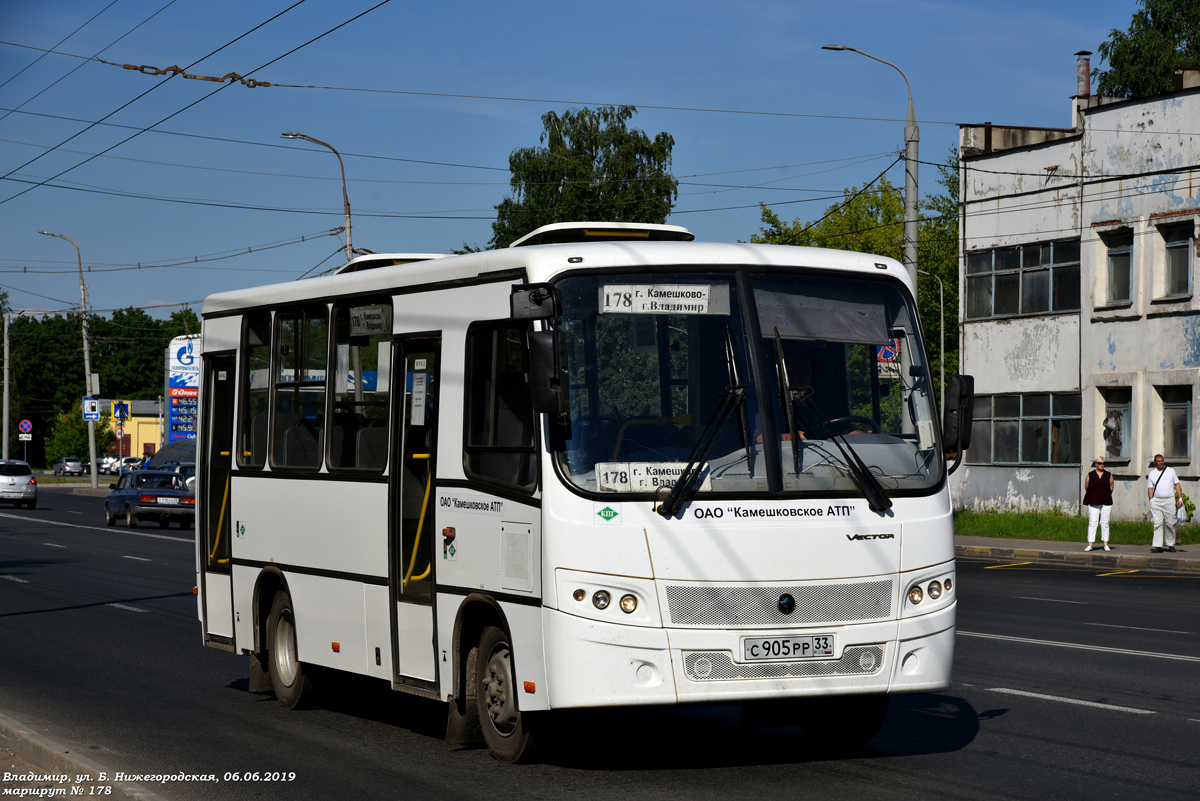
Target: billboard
(183, 387)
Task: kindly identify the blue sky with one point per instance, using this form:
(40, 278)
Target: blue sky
(171, 195)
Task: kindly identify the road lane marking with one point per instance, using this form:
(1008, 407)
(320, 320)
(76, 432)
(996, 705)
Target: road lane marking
(98, 528)
(1137, 628)
(54, 545)
(14, 578)
(1081, 647)
(1116, 573)
(137, 558)
(1001, 567)
(127, 608)
(1062, 700)
(73, 512)
(1054, 600)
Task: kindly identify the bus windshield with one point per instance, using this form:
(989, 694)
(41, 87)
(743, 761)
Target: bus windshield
(831, 367)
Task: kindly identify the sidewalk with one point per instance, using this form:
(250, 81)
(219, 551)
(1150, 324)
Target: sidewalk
(1186, 558)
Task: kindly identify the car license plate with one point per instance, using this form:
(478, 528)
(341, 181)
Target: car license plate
(11, 494)
(802, 646)
(168, 501)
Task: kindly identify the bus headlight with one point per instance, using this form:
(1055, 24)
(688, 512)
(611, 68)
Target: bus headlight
(628, 604)
(601, 599)
(935, 590)
(915, 595)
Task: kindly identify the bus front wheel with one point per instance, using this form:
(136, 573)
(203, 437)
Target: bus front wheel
(289, 678)
(504, 731)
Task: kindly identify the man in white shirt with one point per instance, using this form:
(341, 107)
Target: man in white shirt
(1162, 486)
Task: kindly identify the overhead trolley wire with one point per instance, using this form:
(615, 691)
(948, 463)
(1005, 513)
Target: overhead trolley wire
(97, 53)
(60, 41)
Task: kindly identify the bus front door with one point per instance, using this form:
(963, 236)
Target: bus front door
(412, 518)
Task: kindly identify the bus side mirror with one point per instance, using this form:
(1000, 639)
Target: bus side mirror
(956, 425)
(548, 372)
(535, 302)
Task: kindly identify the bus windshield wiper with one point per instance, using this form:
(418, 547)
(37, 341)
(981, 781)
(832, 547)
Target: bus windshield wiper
(684, 487)
(870, 487)
(742, 419)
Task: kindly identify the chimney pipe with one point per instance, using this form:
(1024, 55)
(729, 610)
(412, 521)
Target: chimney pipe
(1083, 74)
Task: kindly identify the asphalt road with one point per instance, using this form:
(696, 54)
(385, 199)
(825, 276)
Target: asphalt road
(1068, 684)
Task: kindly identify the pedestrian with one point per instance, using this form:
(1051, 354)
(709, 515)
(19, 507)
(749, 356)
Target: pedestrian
(1162, 485)
(1097, 496)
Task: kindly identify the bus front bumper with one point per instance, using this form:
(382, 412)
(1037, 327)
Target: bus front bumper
(590, 663)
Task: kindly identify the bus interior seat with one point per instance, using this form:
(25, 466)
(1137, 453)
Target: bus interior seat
(372, 445)
(302, 445)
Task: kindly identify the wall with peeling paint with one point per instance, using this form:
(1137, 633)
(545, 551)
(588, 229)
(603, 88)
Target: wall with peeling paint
(1133, 168)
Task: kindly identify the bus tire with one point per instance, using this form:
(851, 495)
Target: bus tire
(843, 721)
(289, 677)
(504, 730)
(462, 720)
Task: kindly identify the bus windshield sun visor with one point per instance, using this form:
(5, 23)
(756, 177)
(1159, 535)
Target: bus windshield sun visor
(872, 490)
(825, 316)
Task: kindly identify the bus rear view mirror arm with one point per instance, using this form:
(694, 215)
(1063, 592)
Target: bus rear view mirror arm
(959, 414)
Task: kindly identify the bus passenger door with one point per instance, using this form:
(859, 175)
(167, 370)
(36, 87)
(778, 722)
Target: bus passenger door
(213, 523)
(412, 518)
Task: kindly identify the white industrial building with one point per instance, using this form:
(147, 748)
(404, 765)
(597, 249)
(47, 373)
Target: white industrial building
(1080, 316)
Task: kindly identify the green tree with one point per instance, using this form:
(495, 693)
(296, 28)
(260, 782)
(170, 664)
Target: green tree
(870, 219)
(1163, 35)
(590, 167)
(69, 435)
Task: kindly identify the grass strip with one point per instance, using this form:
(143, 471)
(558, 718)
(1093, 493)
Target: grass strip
(1056, 527)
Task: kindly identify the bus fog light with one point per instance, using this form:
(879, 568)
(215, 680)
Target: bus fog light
(948, 585)
(935, 590)
(915, 595)
(628, 604)
(579, 595)
(601, 599)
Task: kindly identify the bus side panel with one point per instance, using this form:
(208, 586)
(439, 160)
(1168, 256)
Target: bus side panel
(303, 523)
(928, 532)
(222, 333)
(529, 663)
(378, 631)
(244, 579)
(219, 599)
(329, 611)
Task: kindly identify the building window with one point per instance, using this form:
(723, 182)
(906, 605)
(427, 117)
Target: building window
(1030, 279)
(1118, 425)
(1177, 418)
(1120, 246)
(1178, 240)
(1033, 429)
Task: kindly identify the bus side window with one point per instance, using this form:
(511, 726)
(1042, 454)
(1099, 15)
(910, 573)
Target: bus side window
(499, 442)
(299, 387)
(362, 339)
(256, 378)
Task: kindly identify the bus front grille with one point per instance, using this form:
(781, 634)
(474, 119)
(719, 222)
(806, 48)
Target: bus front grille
(815, 604)
(857, 660)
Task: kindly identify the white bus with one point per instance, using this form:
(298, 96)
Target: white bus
(607, 466)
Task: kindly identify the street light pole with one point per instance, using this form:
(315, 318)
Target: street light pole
(912, 137)
(87, 353)
(345, 196)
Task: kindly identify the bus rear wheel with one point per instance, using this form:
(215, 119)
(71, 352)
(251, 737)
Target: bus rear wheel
(289, 678)
(504, 730)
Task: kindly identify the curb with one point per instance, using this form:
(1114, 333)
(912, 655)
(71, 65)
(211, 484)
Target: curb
(1100, 559)
(45, 754)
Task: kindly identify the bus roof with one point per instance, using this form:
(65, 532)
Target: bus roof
(539, 263)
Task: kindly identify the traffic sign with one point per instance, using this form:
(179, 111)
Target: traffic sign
(889, 352)
(25, 437)
(120, 432)
(91, 409)
(25, 426)
(120, 410)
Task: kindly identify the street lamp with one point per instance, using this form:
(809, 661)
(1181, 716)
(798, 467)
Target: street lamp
(87, 354)
(345, 196)
(911, 138)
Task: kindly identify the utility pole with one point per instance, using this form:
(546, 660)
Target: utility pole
(345, 196)
(87, 354)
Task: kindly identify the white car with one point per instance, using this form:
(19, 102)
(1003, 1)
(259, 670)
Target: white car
(18, 484)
